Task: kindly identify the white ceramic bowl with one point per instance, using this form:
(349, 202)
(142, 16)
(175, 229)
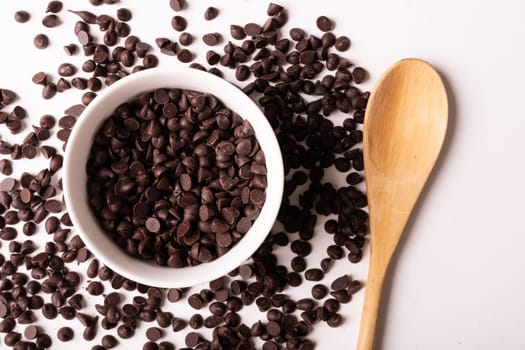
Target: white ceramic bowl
(75, 177)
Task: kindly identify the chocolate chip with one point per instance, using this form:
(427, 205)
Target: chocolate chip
(314, 274)
(7, 325)
(84, 38)
(124, 14)
(153, 334)
(51, 21)
(178, 23)
(211, 39)
(192, 339)
(242, 72)
(342, 43)
(252, 29)
(76, 302)
(41, 41)
(6, 167)
(178, 324)
(53, 206)
(340, 283)
(12, 338)
(54, 6)
(185, 39)
(90, 332)
(31, 332)
(359, 75)
(335, 320)
(211, 13)
(196, 301)
(237, 32)
(273, 9)
(95, 288)
(125, 332)
(177, 5)
(8, 184)
(122, 30)
(196, 321)
(22, 16)
(65, 334)
(141, 49)
(324, 23)
(40, 78)
(49, 311)
(49, 91)
(319, 291)
(109, 342)
(185, 56)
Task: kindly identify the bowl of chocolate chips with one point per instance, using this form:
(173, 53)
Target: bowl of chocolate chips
(173, 177)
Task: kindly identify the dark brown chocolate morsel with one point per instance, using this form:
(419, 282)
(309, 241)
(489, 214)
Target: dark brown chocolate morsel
(41, 41)
(22, 16)
(178, 23)
(324, 23)
(211, 13)
(54, 6)
(65, 334)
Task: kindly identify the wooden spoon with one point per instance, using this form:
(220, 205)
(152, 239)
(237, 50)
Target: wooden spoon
(405, 125)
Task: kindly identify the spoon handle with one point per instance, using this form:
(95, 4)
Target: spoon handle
(372, 303)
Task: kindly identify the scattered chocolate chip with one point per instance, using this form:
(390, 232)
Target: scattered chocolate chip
(95, 288)
(6, 167)
(125, 332)
(41, 41)
(342, 43)
(211, 13)
(359, 75)
(153, 334)
(340, 283)
(66, 69)
(49, 91)
(313, 274)
(334, 320)
(70, 49)
(324, 23)
(50, 21)
(273, 9)
(297, 34)
(237, 32)
(211, 39)
(7, 325)
(178, 23)
(90, 332)
(65, 334)
(22, 16)
(31, 332)
(124, 14)
(177, 5)
(54, 6)
(109, 342)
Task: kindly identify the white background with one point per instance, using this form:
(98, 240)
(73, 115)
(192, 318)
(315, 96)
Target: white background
(457, 281)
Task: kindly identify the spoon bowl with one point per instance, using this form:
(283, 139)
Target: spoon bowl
(405, 126)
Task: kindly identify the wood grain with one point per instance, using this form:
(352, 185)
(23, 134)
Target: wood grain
(405, 125)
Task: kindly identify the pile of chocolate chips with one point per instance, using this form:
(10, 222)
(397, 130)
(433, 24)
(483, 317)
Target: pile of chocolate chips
(175, 176)
(299, 80)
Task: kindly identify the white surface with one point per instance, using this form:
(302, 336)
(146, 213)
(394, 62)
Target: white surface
(457, 281)
(75, 177)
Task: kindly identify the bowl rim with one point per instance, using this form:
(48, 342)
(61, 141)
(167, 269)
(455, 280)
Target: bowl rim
(148, 272)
